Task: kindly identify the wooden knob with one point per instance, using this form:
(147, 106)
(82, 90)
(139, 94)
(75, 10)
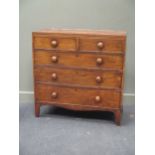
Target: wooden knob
(97, 98)
(54, 95)
(54, 43)
(100, 45)
(54, 76)
(54, 59)
(98, 79)
(99, 61)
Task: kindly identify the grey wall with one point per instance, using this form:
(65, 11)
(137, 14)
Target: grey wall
(93, 14)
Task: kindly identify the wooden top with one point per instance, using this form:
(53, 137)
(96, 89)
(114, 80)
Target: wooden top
(82, 31)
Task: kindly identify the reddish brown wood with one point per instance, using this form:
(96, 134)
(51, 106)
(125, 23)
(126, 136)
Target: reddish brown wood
(108, 98)
(78, 86)
(101, 44)
(78, 107)
(78, 60)
(72, 76)
(82, 32)
(117, 115)
(61, 43)
(37, 109)
(79, 69)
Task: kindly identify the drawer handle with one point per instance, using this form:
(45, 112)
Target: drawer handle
(99, 61)
(54, 76)
(54, 43)
(54, 95)
(100, 45)
(98, 79)
(98, 99)
(54, 59)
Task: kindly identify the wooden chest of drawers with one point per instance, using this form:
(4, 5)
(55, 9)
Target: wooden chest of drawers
(79, 70)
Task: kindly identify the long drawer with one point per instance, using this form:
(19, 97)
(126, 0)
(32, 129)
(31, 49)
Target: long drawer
(110, 79)
(78, 60)
(79, 96)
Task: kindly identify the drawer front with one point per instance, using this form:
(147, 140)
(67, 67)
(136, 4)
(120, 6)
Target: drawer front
(107, 45)
(63, 95)
(110, 79)
(78, 60)
(55, 43)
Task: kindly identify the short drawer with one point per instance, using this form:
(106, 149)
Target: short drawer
(108, 79)
(64, 95)
(102, 44)
(55, 43)
(78, 60)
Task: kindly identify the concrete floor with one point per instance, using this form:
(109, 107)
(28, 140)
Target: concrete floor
(64, 132)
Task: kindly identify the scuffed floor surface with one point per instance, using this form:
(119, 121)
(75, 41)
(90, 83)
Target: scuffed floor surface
(64, 132)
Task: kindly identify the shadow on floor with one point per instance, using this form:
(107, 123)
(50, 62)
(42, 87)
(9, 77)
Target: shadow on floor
(50, 111)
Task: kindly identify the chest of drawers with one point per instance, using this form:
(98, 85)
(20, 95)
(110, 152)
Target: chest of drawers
(79, 70)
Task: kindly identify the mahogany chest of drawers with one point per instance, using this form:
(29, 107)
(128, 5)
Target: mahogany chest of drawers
(79, 70)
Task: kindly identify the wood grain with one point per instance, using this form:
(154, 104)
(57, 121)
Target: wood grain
(79, 69)
(108, 45)
(81, 32)
(77, 96)
(63, 43)
(71, 76)
(78, 60)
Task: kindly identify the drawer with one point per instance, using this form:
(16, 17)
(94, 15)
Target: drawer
(65, 95)
(78, 60)
(110, 79)
(108, 45)
(55, 43)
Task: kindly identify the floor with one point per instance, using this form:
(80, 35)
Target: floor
(64, 132)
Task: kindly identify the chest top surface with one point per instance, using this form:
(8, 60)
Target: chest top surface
(82, 32)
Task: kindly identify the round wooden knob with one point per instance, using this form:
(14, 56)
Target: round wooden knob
(97, 98)
(99, 61)
(100, 45)
(98, 79)
(54, 43)
(54, 95)
(54, 59)
(54, 76)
